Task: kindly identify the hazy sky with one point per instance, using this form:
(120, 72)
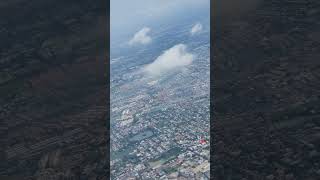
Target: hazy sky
(129, 14)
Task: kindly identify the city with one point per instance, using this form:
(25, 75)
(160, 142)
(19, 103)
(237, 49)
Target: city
(160, 126)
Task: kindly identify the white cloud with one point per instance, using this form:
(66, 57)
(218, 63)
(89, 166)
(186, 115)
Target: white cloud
(141, 37)
(196, 28)
(174, 58)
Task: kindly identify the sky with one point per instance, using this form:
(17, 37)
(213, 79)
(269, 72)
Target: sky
(130, 15)
(133, 23)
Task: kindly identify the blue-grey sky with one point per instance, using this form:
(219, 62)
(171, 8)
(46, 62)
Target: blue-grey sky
(127, 15)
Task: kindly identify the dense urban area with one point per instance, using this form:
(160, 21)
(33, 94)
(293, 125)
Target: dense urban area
(160, 127)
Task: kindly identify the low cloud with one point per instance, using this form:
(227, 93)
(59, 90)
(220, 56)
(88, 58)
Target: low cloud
(174, 58)
(196, 29)
(141, 37)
